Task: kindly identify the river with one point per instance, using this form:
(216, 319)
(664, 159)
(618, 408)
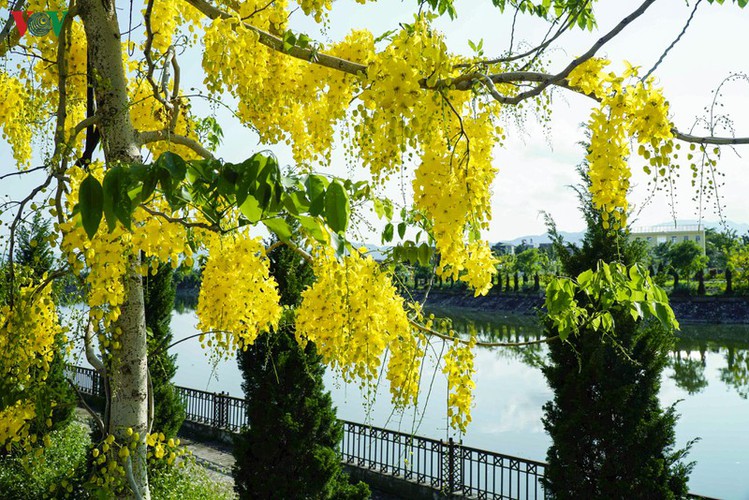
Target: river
(708, 374)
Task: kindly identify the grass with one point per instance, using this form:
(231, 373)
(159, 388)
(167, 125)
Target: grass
(63, 466)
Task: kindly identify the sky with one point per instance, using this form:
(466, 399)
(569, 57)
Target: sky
(536, 165)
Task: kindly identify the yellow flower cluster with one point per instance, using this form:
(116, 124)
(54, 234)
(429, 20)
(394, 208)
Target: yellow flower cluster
(14, 423)
(353, 313)
(318, 8)
(403, 369)
(283, 98)
(27, 347)
(15, 111)
(395, 115)
(108, 457)
(460, 370)
(238, 298)
(27, 336)
(629, 109)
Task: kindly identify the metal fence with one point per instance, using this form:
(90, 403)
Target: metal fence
(216, 410)
(443, 465)
(446, 466)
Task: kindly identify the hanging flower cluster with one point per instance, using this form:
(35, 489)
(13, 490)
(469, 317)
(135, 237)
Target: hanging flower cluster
(238, 298)
(630, 108)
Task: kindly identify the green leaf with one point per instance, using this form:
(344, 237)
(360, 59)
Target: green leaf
(296, 202)
(251, 209)
(149, 184)
(316, 186)
(117, 201)
(91, 204)
(387, 234)
(401, 230)
(425, 254)
(174, 164)
(280, 227)
(337, 208)
(314, 227)
(248, 172)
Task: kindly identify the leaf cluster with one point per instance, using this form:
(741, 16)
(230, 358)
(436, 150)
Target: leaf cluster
(255, 188)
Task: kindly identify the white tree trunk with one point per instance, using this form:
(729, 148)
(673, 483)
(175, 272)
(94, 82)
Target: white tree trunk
(128, 370)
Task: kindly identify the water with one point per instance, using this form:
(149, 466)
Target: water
(708, 372)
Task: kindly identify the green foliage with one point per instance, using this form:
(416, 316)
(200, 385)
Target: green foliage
(531, 261)
(255, 186)
(64, 460)
(191, 482)
(611, 438)
(290, 448)
(686, 258)
(32, 246)
(158, 295)
(593, 299)
(718, 245)
(60, 470)
(738, 262)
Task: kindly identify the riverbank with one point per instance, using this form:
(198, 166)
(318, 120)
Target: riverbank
(688, 310)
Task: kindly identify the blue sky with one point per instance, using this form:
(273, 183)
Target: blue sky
(536, 166)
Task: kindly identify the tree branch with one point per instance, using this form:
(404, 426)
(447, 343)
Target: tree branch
(166, 135)
(97, 419)
(276, 43)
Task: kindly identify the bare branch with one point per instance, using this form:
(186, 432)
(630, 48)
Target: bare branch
(91, 356)
(166, 135)
(668, 49)
(717, 141)
(184, 222)
(97, 419)
(22, 172)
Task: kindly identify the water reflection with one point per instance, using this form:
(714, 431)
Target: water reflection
(687, 361)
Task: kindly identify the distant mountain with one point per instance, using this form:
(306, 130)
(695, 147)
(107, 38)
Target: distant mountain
(536, 239)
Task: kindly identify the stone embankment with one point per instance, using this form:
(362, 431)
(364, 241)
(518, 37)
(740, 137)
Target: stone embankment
(689, 310)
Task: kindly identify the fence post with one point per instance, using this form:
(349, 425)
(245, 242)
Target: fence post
(220, 410)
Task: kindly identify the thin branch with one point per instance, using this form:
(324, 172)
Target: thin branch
(91, 356)
(166, 135)
(97, 419)
(13, 227)
(22, 172)
(150, 401)
(131, 479)
(184, 222)
(151, 66)
(668, 49)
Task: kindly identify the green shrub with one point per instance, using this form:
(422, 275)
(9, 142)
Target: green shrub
(61, 465)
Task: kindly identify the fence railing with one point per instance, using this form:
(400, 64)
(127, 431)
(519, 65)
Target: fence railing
(446, 466)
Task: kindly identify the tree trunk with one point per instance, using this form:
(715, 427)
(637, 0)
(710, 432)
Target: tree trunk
(128, 372)
(129, 377)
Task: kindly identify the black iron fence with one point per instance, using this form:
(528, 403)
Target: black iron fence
(217, 410)
(446, 466)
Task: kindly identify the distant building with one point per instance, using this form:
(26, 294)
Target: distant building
(674, 234)
(504, 248)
